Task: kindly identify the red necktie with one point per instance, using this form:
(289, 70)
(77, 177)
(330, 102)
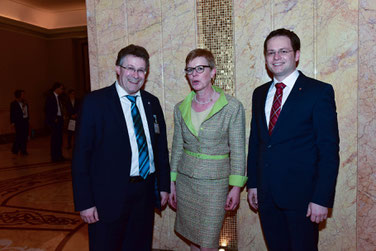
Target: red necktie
(276, 108)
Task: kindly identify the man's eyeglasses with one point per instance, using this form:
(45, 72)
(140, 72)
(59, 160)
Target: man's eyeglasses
(198, 69)
(133, 70)
(282, 52)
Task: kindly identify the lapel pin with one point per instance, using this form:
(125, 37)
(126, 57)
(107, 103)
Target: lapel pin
(300, 89)
(148, 102)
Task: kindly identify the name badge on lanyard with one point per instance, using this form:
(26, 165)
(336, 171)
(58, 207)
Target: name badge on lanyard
(156, 125)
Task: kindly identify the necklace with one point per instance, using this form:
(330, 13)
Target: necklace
(205, 102)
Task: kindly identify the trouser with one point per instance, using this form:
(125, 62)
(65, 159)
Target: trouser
(287, 229)
(57, 139)
(22, 133)
(134, 229)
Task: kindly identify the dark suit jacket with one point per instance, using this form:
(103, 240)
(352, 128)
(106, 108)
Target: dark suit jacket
(299, 162)
(16, 114)
(102, 154)
(72, 109)
(51, 109)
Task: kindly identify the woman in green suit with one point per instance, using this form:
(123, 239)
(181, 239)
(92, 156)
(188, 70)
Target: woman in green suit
(208, 155)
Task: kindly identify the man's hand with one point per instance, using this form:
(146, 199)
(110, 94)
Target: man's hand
(252, 198)
(172, 199)
(164, 198)
(318, 213)
(90, 215)
(233, 198)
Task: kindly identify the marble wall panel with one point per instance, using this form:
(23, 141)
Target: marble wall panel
(329, 34)
(252, 21)
(111, 32)
(178, 38)
(298, 16)
(93, 45)
(366, 203)
(145, 29)
(337, 63)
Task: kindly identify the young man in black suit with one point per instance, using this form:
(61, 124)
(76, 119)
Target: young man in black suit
(55, 121)
(293, 154)
(120, 166)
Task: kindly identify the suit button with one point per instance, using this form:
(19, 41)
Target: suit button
(269, 146)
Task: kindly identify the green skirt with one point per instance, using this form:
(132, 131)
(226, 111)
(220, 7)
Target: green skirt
(200, 209)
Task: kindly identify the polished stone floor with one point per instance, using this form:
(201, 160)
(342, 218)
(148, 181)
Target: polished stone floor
(36, 202)
(36, 205)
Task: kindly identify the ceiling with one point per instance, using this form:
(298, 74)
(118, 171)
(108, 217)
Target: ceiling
(53, 5)
(48, 14)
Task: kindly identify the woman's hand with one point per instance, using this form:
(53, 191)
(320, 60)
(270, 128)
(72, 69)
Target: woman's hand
(172, 198)
(233, 198)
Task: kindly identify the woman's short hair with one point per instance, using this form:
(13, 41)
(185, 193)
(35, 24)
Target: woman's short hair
(201, 53)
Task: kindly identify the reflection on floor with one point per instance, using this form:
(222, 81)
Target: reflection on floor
(36, 203)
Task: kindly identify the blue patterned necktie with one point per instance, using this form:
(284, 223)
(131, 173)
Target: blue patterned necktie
(143, 153)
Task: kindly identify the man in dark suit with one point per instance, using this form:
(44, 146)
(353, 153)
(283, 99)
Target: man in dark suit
(55, 121)
(120, 166)
(293, 154)
(19, 119)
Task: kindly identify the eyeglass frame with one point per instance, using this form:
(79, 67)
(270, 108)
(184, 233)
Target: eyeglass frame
(281, 52)
(190, 70)
(133, 70)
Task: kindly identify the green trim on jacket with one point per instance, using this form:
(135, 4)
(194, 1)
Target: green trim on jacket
(186, 106)
(234, 180)
(237, 180)
(173, 176)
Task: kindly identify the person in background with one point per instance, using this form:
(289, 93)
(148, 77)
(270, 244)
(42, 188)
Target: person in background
(208, 155)
(293, 153)
(19, 119)
(72, 108)
(55, 121)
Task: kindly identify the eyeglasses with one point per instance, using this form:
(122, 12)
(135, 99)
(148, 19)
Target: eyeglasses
(281, 52)
(133, 70)
(198, 69)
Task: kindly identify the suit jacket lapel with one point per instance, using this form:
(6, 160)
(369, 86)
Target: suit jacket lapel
(149, 114)
(115, 105)
(291, 102)
(264, 94)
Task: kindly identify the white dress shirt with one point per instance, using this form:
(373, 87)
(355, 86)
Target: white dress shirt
(126, 107)
(25, 113)
(289, 82)
(58, 104)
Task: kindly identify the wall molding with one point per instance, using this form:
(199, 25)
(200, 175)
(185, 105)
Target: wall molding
(8, 24)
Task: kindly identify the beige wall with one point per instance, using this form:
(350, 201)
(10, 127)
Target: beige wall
(22, 72)
(32, 62)
(338, 39)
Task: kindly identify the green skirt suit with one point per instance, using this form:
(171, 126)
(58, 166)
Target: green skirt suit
(204, 163)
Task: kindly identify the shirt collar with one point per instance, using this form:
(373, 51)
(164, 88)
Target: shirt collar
(289, 81)
(122, 93)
